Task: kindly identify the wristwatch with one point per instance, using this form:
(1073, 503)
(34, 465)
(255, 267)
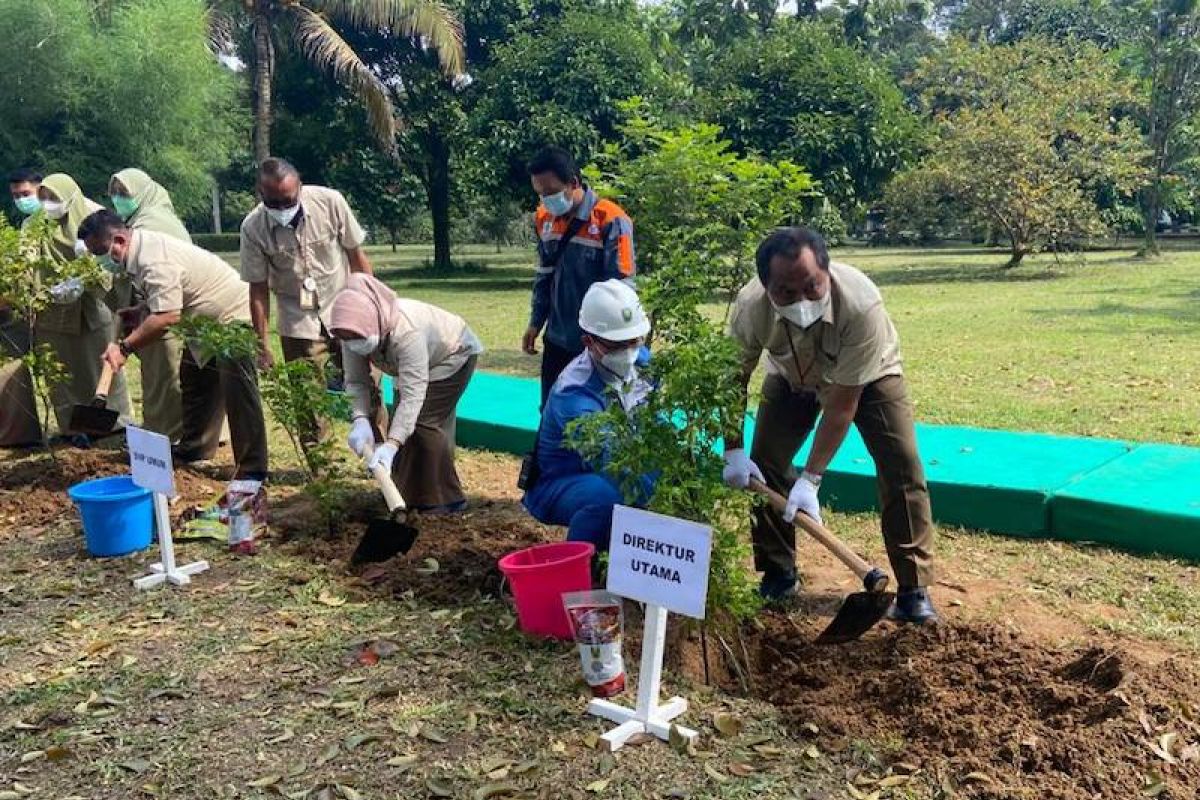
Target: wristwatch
(812, 477)
(125, 349)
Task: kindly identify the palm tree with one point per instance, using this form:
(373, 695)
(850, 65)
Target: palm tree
(307, 25)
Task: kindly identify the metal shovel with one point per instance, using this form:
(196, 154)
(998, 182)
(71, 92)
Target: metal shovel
(390, 535)
(95, 418)
(860, 611)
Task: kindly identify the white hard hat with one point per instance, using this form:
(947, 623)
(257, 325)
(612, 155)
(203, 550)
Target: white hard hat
(612, 311)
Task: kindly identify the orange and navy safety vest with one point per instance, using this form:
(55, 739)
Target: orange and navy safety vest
(600, 250)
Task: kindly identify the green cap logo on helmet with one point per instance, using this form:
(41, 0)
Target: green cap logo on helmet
(627, 314)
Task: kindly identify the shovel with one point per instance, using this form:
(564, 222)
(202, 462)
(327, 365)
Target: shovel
(94, 418)
(390, 535)
(859, 611)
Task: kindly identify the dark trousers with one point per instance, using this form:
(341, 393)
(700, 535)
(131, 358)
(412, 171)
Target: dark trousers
(219, 388)
(885, 421)
(554, 361)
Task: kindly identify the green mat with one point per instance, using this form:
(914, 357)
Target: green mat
(1141, 497)
(1147, 501)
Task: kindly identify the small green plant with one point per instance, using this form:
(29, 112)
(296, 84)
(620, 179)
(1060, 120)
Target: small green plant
(701, 212)
(28, 272)
(296, 395)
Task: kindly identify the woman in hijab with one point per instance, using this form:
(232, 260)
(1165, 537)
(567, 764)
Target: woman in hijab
(431, 353)
(78, 326)
(146, 205)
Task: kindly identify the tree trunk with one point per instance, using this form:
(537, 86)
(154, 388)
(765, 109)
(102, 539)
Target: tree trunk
(1151, 208)
(392, 236)
(438, 190)
(1017, 251)
(264, 68)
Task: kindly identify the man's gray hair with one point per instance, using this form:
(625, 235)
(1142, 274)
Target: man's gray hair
(276, 169)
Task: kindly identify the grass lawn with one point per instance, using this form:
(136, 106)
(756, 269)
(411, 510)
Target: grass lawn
(1099, 346)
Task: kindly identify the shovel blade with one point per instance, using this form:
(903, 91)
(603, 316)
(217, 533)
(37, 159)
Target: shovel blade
(859, 613)
(92, 420)
(384, 538)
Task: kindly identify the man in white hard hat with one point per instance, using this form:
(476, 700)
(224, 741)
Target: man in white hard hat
(564, 489)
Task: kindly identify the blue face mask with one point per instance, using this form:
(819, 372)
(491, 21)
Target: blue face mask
(558, 204)
(28, 205)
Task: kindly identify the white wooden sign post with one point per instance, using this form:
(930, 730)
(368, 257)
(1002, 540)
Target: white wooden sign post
(663, 562)
(150, 460)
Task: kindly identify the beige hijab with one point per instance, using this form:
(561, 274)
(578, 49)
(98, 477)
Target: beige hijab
(365, 306)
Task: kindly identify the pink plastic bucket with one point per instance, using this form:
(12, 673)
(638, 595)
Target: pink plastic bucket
(539, 576)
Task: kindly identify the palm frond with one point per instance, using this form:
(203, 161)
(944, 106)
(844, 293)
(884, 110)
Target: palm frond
(430, 20)
(325, 48)
(220, 31)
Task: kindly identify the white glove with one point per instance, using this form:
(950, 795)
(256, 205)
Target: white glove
(383, 456)
(739, 469)
(360, 436)
(68, 291)
(803, 499)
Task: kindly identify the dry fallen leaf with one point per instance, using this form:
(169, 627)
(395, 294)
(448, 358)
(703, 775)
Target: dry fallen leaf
(491, 790)
(402, 763)
(433, 735)
(742, 769)
(327, 599)
(438, 787)
(135, 765)
(328, 754)
(287, 735)
(265, 781)
(976, 777)
(715, 774)
(726, 724)
(429, 566)
(596, 787)
(359, 739)
(57, 753)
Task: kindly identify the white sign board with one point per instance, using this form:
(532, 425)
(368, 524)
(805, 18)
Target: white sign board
(150, 460)
(659, 560)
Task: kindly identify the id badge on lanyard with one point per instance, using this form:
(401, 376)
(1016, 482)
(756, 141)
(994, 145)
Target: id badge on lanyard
(308, 294)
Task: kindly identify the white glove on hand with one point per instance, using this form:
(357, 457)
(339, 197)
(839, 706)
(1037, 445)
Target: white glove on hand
(360, 436)
(803, 499)
(384, 455)
(739, 469)
(68, 291)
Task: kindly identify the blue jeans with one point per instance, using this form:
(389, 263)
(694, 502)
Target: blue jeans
(584, 503)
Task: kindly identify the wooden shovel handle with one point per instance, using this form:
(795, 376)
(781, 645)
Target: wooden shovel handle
(105, 382)
(391, 495)
(817, 531)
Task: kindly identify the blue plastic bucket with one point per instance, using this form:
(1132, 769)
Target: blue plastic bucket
(117, 514)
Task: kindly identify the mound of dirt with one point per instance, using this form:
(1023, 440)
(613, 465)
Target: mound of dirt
(1006, 716)
(33, 490)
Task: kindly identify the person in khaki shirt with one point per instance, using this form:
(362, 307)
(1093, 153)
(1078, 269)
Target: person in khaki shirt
(833, 354)
(178, 279)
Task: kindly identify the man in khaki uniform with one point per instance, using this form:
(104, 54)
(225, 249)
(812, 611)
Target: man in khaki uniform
(832, 353)
(177, 279)
(299, 244)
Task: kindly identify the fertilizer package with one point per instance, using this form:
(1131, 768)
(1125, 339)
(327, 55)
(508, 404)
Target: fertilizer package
(245, 511)
(597, 622)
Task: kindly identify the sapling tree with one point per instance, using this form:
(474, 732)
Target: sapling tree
(701, 211)
(295, 394)
(28, 272)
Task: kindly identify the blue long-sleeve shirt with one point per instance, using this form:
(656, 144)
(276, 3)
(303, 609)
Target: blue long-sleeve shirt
(600, 250)
(580, 390)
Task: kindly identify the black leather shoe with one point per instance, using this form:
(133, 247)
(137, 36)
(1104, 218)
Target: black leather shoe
(778, 587)
(913, 606)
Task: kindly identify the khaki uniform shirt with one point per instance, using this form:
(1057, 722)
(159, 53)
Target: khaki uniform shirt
(315, 247)
(176, 276)
(428, 344)
(854, 344)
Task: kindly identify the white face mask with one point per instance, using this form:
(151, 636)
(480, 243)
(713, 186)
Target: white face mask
(362, 347)
(558, 204)
(622, 364)
(284, 216)
(804, 313)
(55, 209)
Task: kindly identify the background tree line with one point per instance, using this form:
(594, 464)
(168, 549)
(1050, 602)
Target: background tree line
(1035, 123)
